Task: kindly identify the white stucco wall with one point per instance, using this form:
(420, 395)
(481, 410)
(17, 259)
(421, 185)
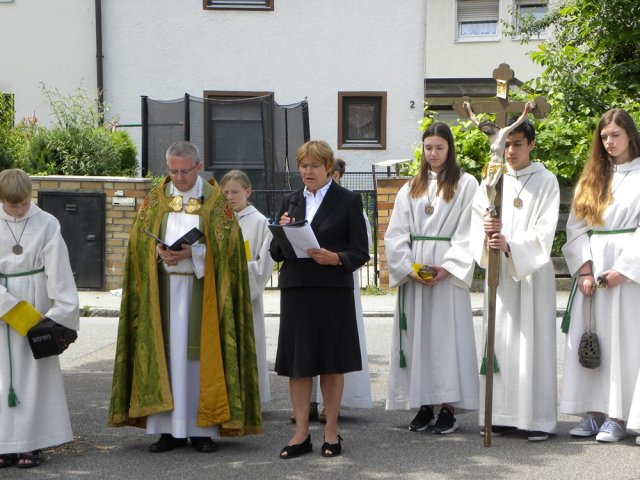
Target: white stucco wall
(302, 49)
(448, 58)
(50, 42)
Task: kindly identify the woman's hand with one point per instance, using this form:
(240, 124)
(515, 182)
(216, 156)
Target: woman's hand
(285, 218)
(323, 256)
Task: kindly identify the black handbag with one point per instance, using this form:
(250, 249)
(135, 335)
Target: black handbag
(49, 338)
(589, 348)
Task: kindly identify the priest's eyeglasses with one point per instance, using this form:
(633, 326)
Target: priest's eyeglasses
(184, 173)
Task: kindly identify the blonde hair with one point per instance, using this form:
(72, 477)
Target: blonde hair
(238, 176)
(317, 150)
(593, 191)
(15, 186)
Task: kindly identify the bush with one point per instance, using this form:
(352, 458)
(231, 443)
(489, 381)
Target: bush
(76, 144)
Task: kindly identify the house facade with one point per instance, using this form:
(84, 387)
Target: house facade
(364, 66)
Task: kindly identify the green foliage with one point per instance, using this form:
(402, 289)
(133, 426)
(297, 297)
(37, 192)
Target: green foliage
(76, 144)
(591, 61)
(472, 146)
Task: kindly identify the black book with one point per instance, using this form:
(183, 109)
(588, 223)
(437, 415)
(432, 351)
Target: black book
(191, 237)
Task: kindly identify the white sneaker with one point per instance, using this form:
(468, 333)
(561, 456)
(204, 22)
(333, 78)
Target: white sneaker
(589, 426)
(611, 431)
(638, 440)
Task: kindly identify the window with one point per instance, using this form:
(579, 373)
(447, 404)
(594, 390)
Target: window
(477, 19)
(533, 8)
(362, 120)
(236, 130)
(238, 4)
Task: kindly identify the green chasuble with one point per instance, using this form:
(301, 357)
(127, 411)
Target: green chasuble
(229, 394)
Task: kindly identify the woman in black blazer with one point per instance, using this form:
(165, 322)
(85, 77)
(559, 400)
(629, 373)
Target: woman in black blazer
(318, 330)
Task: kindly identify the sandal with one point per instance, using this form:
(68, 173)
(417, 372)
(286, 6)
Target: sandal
(7, 459)
(293, 451)
(29, 460)
(332, 449)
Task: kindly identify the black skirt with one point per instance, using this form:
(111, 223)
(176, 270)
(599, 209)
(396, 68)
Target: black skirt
(318, 332)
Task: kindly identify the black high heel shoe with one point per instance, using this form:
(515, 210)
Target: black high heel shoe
(293, 451)
(332, 449)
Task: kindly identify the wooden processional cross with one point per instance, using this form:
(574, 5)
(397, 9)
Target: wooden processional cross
(501, 107)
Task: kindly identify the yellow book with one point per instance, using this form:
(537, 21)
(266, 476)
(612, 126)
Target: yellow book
(247, 250)
(22, 317)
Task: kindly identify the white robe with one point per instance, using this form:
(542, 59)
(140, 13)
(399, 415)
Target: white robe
(613, 387)
(524, 390)
(439, 344)
(357, 385)
(184, 374)
(255, 231)
(42, 417)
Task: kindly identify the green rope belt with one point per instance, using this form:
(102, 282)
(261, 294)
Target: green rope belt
(566, 318)
(422, 237)
(13, 397)
(402, 322)
(611, 232)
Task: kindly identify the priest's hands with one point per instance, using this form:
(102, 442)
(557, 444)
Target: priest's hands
(172, 257)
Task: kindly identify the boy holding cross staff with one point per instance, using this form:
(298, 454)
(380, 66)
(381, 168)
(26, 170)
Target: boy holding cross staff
(524, 385)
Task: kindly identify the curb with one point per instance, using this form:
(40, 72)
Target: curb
(114, 312)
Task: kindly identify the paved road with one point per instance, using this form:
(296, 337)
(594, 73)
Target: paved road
(377, 443)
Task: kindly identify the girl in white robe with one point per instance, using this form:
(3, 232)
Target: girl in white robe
(433, 359)
(602, 240)
(237, 188)
(34, 267)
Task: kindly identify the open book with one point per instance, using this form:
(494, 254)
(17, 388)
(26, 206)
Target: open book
(191, 237)
(294, 238)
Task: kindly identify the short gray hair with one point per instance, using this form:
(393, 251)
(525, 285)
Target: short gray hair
(184, 148)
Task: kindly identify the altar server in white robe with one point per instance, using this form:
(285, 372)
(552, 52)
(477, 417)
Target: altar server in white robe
(34, 268)
(602, 241)
(524, 382)
(236, 186)
(433, 358)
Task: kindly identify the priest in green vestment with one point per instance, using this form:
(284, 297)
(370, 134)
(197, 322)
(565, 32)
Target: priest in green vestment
(185, 362)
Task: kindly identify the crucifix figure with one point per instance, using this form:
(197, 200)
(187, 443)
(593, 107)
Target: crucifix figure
(492, 171)
(492, 182)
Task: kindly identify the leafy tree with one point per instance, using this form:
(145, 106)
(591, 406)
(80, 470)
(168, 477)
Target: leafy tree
(590, 60)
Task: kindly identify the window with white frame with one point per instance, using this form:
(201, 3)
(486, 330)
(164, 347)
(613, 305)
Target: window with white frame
(477, 19)
(533, 8)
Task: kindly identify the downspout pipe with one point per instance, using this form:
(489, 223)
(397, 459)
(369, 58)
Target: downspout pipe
(99, 56)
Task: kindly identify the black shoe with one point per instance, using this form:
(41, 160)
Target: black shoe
(446, 422)
(293, 451)
(423, 420)
(332, 449)
(203, 444)
(499, 430)
(167, 442)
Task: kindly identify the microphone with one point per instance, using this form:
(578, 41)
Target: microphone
(293, 203)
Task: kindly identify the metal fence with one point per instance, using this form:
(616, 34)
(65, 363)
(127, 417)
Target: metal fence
(269, 201)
